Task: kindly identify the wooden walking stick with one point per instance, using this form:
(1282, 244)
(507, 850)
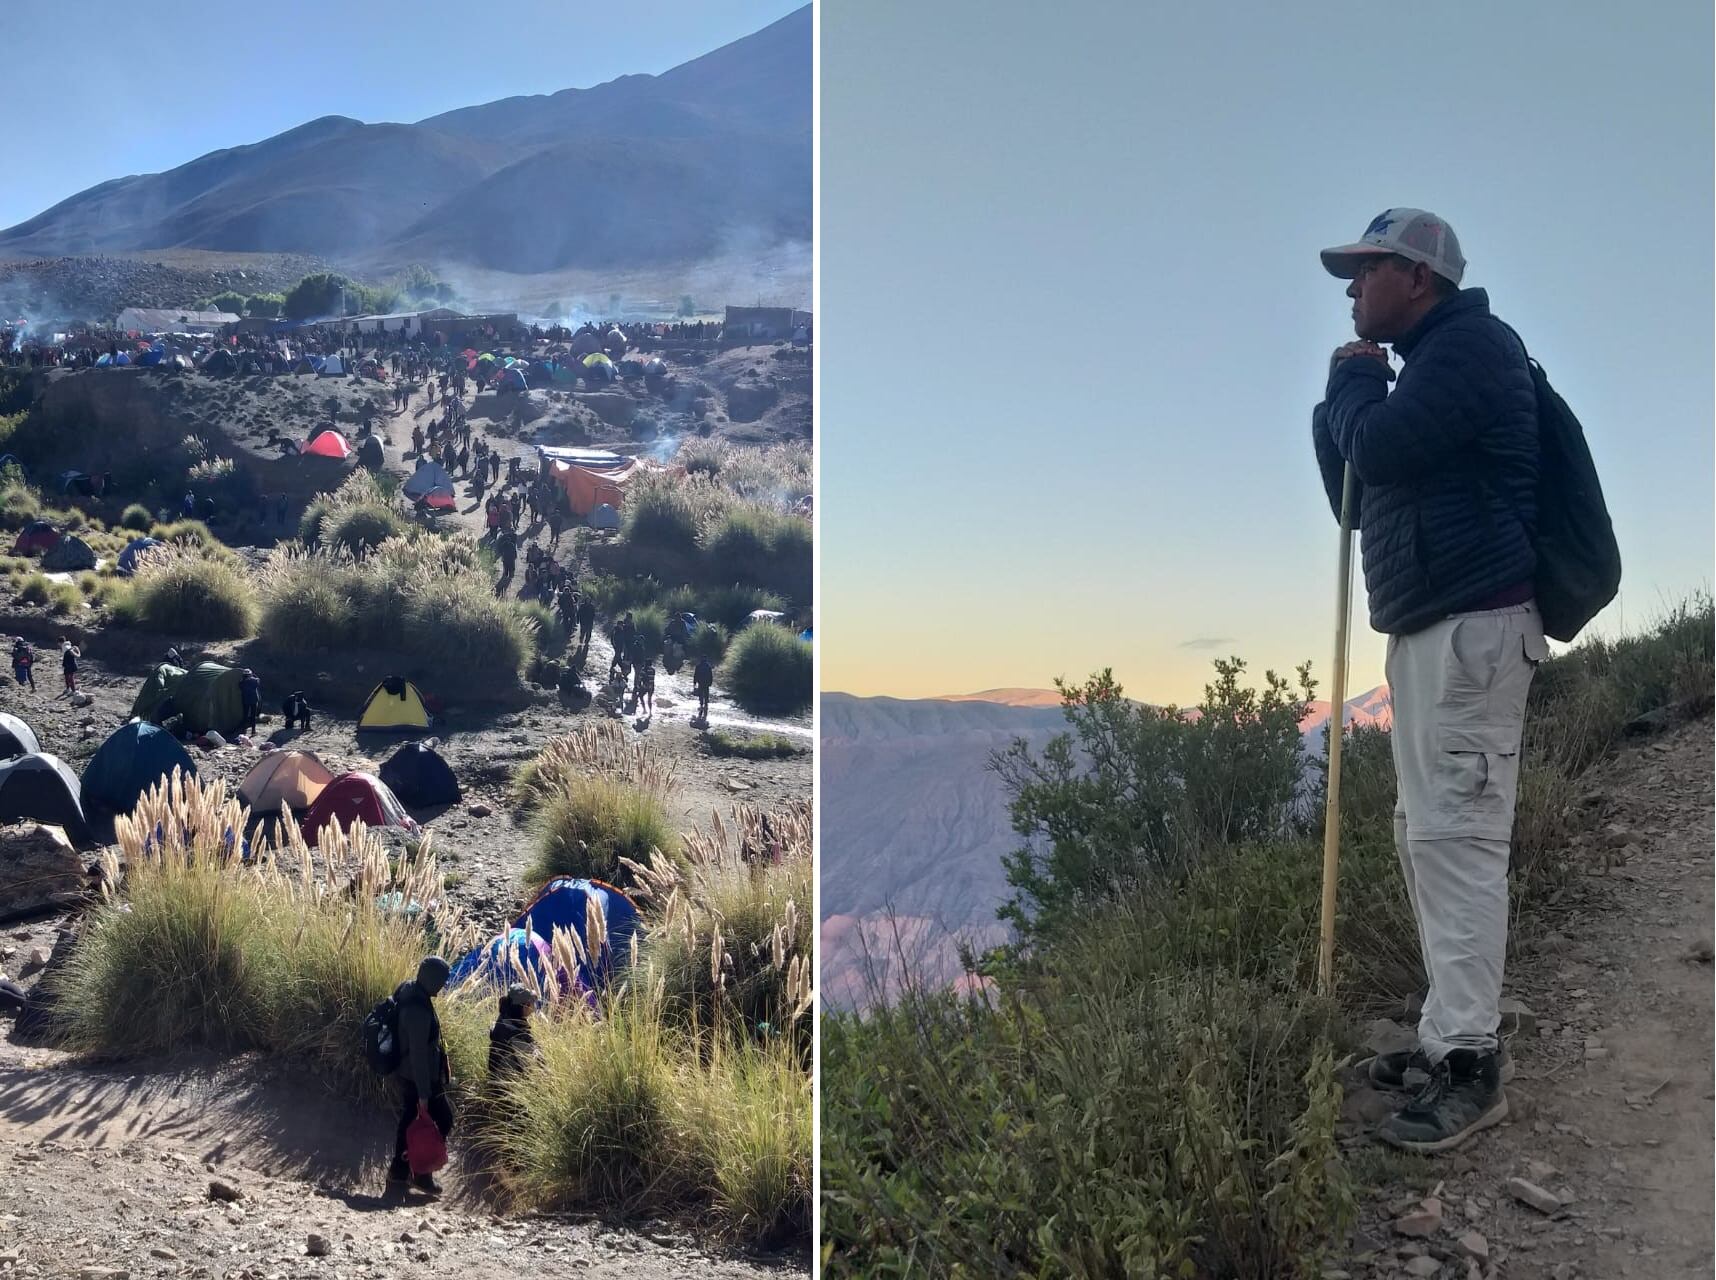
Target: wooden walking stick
(1337, 726)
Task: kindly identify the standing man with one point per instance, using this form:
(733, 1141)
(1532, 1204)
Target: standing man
(250, 698)
(1445, 483)
(423, 1070)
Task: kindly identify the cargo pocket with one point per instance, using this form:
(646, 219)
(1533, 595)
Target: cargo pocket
(1536, 647)
(1477, 769)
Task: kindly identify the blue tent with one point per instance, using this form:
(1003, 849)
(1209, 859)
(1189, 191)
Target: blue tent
(133, 550)
(135, 758)
(510, 378)
(153, 355)
(124, 357)
(104, 359)
(490, 963)
(561, 905)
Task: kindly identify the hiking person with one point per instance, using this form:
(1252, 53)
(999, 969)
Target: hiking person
(250, 698)
(586, 620)
(702, 677)
(507, 546)
(417, 439)
(189, 506)
(556, 523)
(296, 709)
(622, 637)
(1445, 486)
(643, 687)
(24, 663)
(423, 1072)
(510, 1039)
(69, 654)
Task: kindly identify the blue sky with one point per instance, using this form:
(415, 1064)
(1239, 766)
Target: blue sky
(1072, 321)
(121, 90)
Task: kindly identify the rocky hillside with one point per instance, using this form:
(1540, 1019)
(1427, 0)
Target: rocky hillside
(674, 168)
(96, 288)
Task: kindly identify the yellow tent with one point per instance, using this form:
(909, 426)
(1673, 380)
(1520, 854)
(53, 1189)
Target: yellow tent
(395, 703)
(290, 778)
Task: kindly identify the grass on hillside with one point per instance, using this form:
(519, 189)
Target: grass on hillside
(177, 591)
(751, 746)
(768, 670)
(627, 1111)
(1149, 1090)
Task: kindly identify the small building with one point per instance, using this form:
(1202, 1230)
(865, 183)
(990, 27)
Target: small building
(167, 320)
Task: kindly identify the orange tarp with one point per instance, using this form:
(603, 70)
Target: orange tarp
(588, 487)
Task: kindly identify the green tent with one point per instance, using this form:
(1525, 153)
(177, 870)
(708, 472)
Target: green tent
(161, 685)
(208, 697)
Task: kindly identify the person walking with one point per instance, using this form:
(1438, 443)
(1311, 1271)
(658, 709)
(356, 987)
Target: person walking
(1445, 484)
(423, 1071)
(701, 680)
(24, 663)
(69, 654)
(586, 620)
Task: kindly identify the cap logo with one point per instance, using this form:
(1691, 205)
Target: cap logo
(1381, 223)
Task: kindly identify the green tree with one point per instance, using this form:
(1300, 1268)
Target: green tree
(323, 294)
(265, 304)
(230, 301)
(1135, 792)
(686, 306)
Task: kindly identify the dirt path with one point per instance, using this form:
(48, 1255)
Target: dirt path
(1612, 1101)
(110, 1169)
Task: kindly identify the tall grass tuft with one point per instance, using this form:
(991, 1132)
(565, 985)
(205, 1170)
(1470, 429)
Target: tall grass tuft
(586, 826)
(178, 591)
(768, 670)
(600, 750)
(137, 518)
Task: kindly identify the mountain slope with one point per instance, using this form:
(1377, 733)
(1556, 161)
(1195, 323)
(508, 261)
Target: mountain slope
(641, 170)
(914, 826)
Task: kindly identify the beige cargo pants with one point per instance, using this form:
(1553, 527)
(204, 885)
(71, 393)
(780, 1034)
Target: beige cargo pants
(1459, 690)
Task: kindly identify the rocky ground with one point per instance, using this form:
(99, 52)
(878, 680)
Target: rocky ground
(238, 1170)
(1603, 1168)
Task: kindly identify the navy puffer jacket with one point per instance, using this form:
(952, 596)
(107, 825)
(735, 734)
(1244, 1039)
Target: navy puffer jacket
(1446, 465)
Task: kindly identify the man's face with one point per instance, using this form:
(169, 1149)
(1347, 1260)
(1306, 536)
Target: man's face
(1382, 299)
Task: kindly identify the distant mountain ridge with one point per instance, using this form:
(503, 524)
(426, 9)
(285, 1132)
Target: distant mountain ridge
(676, 167)
(914, 826)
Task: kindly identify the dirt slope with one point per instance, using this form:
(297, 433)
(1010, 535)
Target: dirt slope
(1612, 1101)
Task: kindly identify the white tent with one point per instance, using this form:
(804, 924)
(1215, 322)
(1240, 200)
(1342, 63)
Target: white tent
(333, 367)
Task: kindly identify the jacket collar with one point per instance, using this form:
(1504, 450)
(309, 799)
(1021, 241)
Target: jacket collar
(1465, 302)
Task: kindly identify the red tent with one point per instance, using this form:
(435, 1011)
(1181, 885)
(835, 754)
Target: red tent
(330, 444)
(442, 499)
(36, 537)
(352, 796)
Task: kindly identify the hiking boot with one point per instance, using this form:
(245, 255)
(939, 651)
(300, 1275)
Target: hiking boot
(1408, 1069)
(425, 1182)
(1463, 1095)
(399, 1170)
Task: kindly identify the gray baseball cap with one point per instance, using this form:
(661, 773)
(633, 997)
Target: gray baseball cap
(1411, 233)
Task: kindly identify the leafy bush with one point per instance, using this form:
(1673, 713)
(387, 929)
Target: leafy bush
(663, 516)
(757, 544)
(587, 825)
(548, 635)
(709, 641)
(265, 304)
(137, 517)
(732, 606)
(179, 592)
(768, 670)
(63, 597)
(360, 529)
(230, 302)
(19, 504)
(650, 622)
(192, 532)
(751, 746)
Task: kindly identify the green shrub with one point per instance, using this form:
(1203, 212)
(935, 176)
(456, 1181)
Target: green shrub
(310, 522)
(768, 670)
(650, 622)
(137, 517)
(36, 589)
(751, 746)
(587, 825)
(763, 546)
(547, 633)
(662, 517)
(19, 504)
(180, 593)
(709, 641)
(732, 606)
(192, 532)
(359, 529)
(63, 598)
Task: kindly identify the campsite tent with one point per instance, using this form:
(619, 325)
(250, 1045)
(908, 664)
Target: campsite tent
(304, 366)
(40, 788)
(208, 697)
(291, 778)
(134, 758)
(350, 797)
(420, 777)
(605, 516)
(333, 367)
(219, 361)
(35, 537)
(16, 738)
(157, 691)
(510, 380)
(71, 554)
(77, 482)
(395, 703)
(133, 552)
(371, 454)
(150, 356)
(589, 483)
(564, 904)
(428, 477)
(491, 963)
(329, 444)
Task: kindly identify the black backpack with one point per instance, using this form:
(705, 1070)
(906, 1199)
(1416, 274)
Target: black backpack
(381, 1036)
(1578, 559)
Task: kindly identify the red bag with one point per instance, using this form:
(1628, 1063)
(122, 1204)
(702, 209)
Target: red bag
(425, 1148)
